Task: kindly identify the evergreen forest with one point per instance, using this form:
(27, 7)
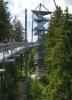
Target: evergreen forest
(56, 83)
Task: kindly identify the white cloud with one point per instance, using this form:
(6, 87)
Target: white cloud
(68, 2)
(17, 7)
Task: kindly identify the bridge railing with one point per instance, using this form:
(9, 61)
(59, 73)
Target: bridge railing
(11, 46)
(10, 49)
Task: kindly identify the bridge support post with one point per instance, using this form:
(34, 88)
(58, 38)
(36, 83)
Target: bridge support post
(25, 25)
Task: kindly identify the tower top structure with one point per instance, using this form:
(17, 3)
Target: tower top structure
(41, 10)
(40, 16)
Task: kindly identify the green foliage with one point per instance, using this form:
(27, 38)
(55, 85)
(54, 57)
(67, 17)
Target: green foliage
(5, 24)
(17, 31)
(9, 30)
(31, 58)
(11, 80)
(58, 51)
(35, 89)
(57, 82)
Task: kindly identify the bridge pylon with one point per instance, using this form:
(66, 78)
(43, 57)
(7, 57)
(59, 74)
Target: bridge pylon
(25, 25)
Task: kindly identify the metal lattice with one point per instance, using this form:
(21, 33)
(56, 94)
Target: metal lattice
(40, 17)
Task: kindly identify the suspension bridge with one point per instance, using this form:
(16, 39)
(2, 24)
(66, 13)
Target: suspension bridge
(40, 19)
(10, 49)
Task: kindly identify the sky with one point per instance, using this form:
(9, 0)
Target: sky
(17, 7)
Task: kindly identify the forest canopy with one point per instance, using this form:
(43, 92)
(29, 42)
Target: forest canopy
(56, 84)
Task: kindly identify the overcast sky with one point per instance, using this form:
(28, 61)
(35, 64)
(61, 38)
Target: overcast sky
(17, 7)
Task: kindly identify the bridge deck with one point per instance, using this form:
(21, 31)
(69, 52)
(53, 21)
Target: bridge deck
(7, 50)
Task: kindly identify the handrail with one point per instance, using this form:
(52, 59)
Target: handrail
(10, 46)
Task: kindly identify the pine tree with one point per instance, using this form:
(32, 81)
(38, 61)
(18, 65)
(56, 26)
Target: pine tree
(18, 31)
(58, 55)
(35, 90)
(4, 21)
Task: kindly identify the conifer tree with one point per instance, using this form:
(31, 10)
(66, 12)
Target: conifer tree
(58, 56)
(4, 21)
(18, 31)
